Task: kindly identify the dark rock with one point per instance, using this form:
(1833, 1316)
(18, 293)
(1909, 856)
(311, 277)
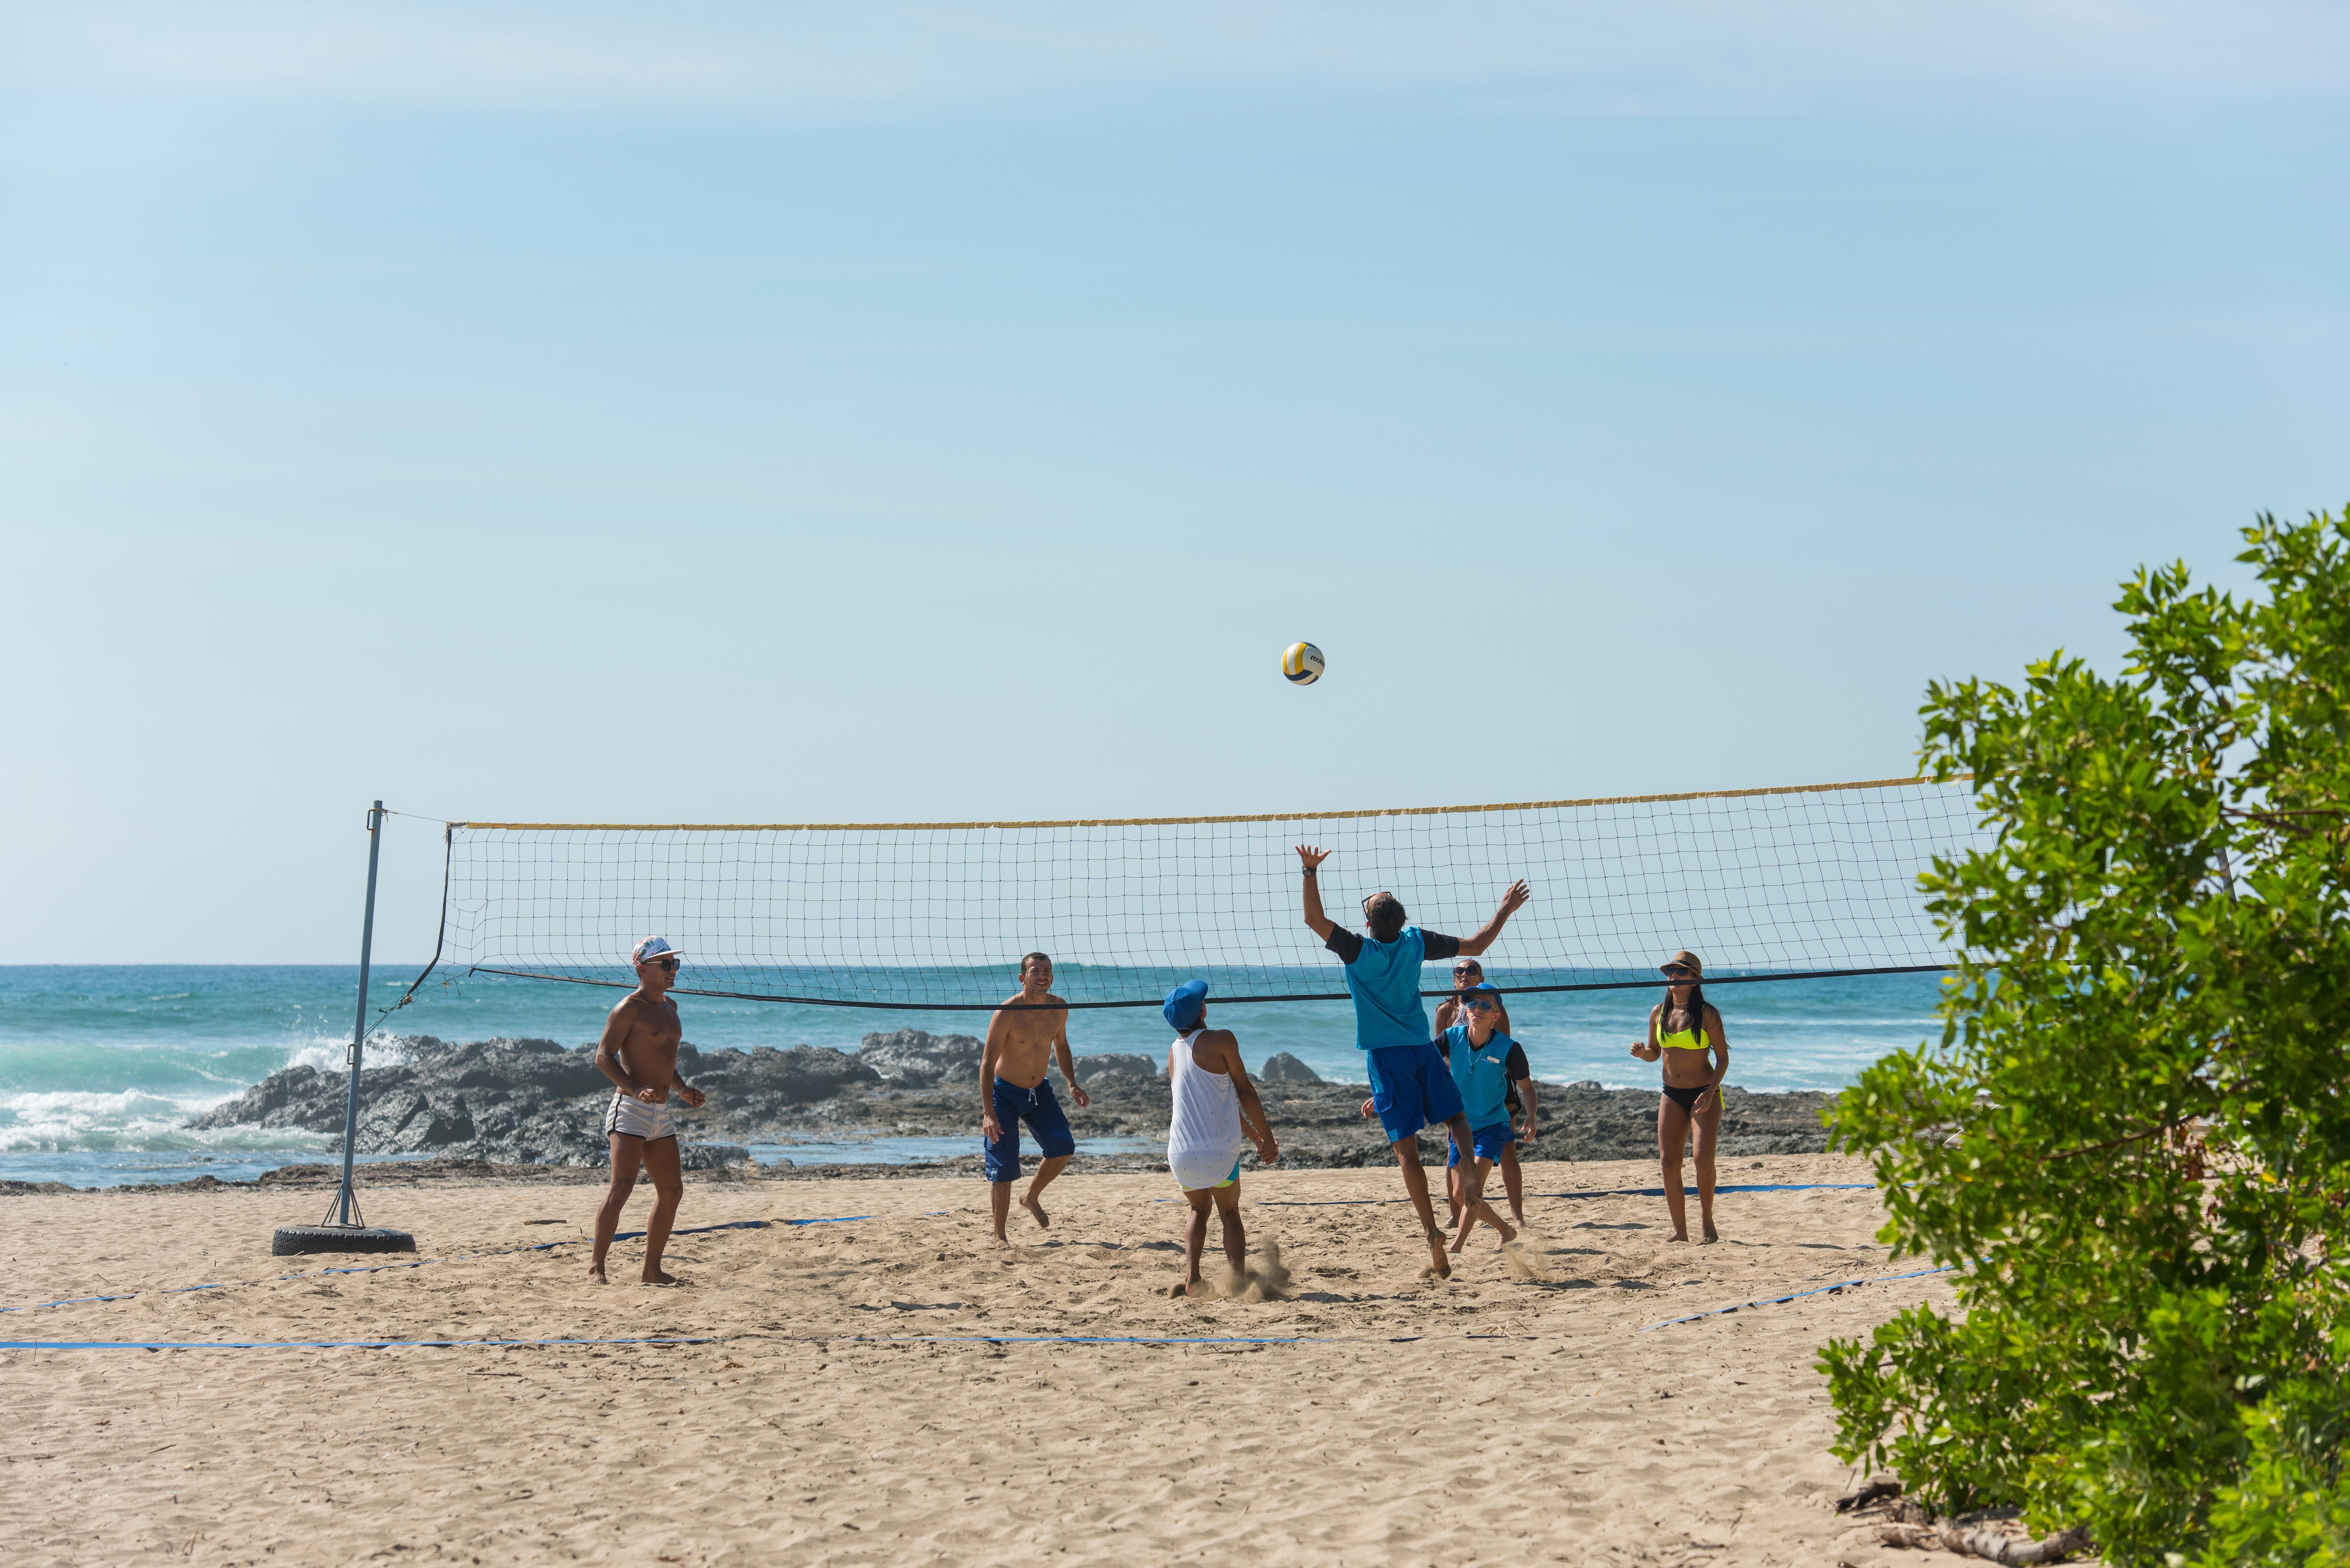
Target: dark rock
(301, 1174)
(778, 1078)
(295, 1097)
(917, 1058)
(1281, 1067)
(1116, 1065)
(406, 1122)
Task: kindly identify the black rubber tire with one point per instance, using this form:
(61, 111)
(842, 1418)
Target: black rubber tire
(294, 1240)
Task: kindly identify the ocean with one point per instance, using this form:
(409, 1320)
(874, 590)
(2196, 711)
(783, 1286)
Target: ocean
(100, 1064)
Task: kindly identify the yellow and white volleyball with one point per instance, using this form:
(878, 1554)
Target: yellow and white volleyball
(1302, 663)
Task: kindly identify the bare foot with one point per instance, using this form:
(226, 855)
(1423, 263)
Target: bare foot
(661, 1277)
(1710, 1233)
(1030, 1204)
(1678, 1236)
(1182, 1288)
(596, 1274)
(1509, 1232)
(1439, 1263)
(1457, 1243)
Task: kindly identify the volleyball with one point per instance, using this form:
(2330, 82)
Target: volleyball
(1302, 663)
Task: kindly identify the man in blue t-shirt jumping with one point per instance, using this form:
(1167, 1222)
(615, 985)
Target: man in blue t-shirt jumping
(1411, 1085)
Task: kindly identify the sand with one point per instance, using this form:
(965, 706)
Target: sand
(827, 1429)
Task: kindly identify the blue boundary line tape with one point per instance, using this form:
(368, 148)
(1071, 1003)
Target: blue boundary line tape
(325, 1344)
(457, 1258)
(732, 1339)
(1691, 1191)
(1595, 1192)
(1799, 1295)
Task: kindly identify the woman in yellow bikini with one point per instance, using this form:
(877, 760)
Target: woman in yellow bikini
(1686, 1032)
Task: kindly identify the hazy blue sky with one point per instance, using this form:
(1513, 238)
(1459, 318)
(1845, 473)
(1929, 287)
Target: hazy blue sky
(737, 412)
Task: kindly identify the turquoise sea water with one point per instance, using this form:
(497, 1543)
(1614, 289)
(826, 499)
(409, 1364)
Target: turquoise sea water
(100, 1064)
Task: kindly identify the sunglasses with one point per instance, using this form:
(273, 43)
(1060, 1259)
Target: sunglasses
(668, 963)
(1482, 1004)
(1466, 969)
(1678, 969)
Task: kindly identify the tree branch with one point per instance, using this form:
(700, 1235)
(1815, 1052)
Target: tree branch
(2117, 1142)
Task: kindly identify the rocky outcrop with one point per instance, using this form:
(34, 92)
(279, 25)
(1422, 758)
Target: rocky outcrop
(919, 1059)
(1281, 1067)
(1117, 1064)
(532, 1102)
(516, 1102)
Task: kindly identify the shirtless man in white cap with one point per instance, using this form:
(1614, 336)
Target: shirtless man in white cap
(638, 1054)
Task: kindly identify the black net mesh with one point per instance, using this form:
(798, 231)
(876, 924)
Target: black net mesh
(1766, 882)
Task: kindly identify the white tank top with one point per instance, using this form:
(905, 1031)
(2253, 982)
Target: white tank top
(1207, 1107)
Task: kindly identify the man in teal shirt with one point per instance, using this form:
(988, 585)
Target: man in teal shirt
(1411, 1085)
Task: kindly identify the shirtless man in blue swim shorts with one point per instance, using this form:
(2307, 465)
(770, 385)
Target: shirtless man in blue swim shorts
(1411, 1085)
(1022, 1045)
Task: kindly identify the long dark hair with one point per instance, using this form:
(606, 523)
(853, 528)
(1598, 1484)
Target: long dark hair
(1696, 1012)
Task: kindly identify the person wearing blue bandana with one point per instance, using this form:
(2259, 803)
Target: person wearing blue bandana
(1216, 1115)
(1478, 1054)
(1411, 1086)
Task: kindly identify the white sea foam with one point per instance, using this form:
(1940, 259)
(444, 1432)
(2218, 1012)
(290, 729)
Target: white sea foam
(325, 1055)
(332, 1054)
(126, 1119)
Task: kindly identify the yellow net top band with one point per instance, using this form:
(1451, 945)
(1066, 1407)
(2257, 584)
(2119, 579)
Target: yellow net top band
(1178, 821)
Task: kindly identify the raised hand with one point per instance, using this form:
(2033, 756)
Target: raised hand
(1314, 858)
(1515, 899)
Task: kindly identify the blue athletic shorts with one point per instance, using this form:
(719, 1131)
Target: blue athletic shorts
(1411, 1088)
(1042, 1112)
(1485, 1143)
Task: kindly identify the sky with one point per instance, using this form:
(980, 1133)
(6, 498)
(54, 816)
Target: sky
(904, 411)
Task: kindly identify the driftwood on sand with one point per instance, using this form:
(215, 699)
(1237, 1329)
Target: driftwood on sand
(1987, 1543)
(1912, 1527)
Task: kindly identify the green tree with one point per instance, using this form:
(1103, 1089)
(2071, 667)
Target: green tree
(2133, 1138)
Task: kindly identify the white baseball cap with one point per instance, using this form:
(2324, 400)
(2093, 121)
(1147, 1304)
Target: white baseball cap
(653, 947)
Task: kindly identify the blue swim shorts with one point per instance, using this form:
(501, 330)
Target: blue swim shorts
(1041, 1111)
(1485, 1143)
(1411, 1088)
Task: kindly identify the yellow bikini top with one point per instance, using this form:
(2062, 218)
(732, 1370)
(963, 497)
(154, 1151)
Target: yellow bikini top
(1690, 1039)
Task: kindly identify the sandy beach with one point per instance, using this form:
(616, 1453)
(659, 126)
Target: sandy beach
(855, 1409)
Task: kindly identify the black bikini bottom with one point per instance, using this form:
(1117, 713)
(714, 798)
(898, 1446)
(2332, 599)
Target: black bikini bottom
(1685, 1098)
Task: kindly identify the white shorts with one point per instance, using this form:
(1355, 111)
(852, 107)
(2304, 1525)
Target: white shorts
(1195, 1168)
(631, 1117)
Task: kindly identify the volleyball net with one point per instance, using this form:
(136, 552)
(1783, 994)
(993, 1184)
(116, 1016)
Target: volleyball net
(1766, 884)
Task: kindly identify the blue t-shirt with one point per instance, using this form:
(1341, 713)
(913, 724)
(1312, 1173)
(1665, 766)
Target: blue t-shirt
(1481, 1073)
(1384, 979)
